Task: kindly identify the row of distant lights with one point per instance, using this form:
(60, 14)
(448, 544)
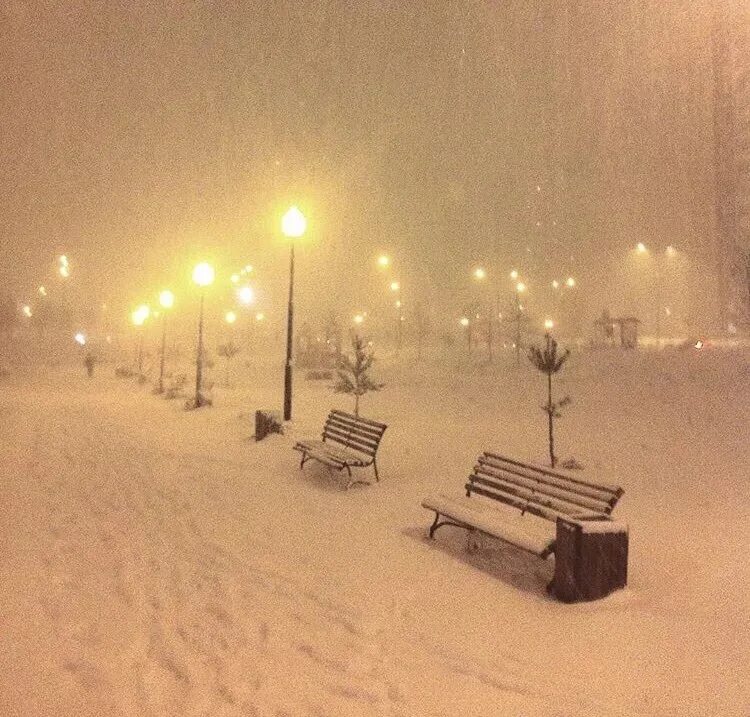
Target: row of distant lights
(641, 248)
(480, 274)
(203, 275)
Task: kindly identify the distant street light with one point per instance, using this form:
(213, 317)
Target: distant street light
(246, 295)
(139, 317)
(166, 301)
(384, 260)
(549, 325)
(520, 288)
(640, 247)
(27, 312)
(203, 276)
(293, 225)
(230, 317)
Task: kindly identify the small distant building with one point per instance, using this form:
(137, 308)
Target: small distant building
(609, 329)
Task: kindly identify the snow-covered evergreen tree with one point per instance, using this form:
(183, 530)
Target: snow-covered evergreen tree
(352, 372)
(548, 361)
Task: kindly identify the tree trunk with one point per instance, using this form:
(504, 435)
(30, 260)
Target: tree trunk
(550, 412)
(356, 404)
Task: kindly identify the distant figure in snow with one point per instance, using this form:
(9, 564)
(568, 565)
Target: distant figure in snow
(89, 361)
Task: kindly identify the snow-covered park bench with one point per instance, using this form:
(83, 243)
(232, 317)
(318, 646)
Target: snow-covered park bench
(348, 442)
(559, 504)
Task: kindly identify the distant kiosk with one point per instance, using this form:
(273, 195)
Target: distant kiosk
(609, 329)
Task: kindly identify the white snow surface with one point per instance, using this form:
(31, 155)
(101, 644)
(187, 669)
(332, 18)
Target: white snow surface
(156, 561)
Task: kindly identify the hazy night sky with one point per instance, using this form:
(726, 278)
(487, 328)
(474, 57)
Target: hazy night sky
(140, 136)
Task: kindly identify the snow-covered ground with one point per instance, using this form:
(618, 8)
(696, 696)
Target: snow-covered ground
(160, 562)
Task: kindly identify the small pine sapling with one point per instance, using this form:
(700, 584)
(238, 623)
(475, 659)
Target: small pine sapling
(352, 372)
(548, 361)
(228, 350)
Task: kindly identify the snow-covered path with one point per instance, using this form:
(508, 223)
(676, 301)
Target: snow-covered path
(157, 562)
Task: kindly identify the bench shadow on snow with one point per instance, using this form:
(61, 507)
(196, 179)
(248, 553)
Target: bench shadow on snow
(505, 563)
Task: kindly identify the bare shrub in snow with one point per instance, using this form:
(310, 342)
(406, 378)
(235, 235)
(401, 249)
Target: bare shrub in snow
(228, 350)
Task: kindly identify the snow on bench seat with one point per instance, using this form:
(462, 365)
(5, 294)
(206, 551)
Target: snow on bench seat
(496, 522)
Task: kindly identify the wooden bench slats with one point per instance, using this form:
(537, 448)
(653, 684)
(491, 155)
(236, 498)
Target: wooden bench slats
(349, 426)
(352, 441)
(530, 473)
(359, 420)
(583, 485)
(540, 511)
(554, 491)
(529, 496)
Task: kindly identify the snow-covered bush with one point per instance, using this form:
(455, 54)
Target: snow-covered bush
(352, 372)
(175, 388)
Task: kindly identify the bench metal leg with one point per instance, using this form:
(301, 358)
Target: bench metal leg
(474, 540)
(375, 466)
(303, 461)
(437, 524)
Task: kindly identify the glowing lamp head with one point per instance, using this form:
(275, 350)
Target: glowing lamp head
(140, 315)
(42, 291)
(480, 273)
(555, 284)
(640, 247)
(549, 324)
(80, 339)
(260, 316)
(395, 286)
(235, 278)
(246, 295)
(464, 321)
(384, 260)
(166, 299)
(570, 282)
(293, 223)
(520, 287)
(27, 311)
(230, 317)
(698, 344)
(64, 271)
(514, 274)
(358, 319)
(670, 250)
(203, 274)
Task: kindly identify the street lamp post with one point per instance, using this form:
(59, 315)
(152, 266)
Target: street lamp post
(520, 288)
(166, 301)
(293, 226)
(203, 276)
(480, 275)
(396, 289)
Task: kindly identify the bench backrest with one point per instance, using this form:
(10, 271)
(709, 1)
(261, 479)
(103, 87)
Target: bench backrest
(355, 432)
(542, 491)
